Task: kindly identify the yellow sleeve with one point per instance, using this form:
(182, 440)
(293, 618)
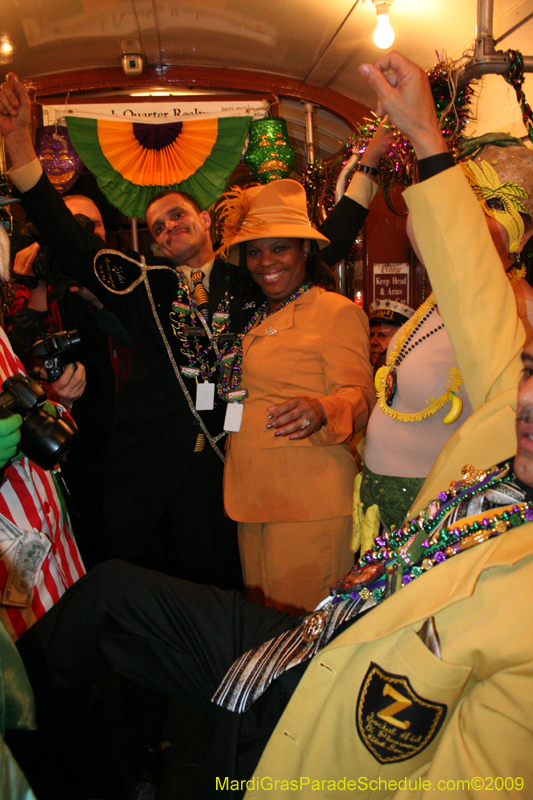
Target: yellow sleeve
(473, 294)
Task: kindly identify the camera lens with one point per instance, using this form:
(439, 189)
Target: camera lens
(46, 440)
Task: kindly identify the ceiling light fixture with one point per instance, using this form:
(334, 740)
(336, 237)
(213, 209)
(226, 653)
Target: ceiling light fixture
(384, 34)
(6, 46)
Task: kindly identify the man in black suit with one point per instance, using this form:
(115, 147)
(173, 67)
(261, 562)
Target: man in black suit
(164, 505)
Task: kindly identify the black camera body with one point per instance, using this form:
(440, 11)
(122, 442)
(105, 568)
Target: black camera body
(45, 440)
(56, 350)
(45, 266)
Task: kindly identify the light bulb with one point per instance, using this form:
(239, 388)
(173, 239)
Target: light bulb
(6, 47)
(384, 34)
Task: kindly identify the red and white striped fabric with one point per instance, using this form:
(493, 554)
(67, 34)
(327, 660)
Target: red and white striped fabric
(29, 499)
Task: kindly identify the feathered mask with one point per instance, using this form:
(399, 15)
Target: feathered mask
(501, 201)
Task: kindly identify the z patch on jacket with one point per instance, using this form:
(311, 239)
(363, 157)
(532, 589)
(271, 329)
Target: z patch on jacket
(393, 721)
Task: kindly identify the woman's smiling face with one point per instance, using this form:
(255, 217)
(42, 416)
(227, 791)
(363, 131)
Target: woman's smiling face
(278, 266)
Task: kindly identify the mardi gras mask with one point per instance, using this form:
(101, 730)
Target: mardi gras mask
(270, 155)
(501, 201)
(57, 156)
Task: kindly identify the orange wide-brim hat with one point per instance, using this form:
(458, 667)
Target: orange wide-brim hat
(276, 209)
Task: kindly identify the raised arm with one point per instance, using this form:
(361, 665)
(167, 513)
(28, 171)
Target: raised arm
(73, 247)
(346, 219)
(404, 94)
(15, 117)
(474, 297)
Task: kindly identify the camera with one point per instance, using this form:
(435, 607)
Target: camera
(45, 440)
(132, 64)
(56, 350)
(45, 267)
(24, 234)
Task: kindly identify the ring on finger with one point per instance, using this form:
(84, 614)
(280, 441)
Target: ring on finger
(306, 423)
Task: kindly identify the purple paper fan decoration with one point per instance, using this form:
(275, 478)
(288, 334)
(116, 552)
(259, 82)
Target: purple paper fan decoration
(156, 137)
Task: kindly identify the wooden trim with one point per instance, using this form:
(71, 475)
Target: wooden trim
(57, 87)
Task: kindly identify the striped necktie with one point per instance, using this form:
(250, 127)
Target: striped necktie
(200, 294)
(251, 674)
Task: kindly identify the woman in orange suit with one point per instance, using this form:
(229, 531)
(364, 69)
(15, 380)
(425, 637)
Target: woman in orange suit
(298, 383)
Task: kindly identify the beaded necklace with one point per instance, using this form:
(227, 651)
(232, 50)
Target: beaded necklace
(386, 380)
(184, 318)
(400, 556)
(230, 364)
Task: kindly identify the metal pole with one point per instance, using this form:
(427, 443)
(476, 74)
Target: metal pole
(134, 234)
(2, 156)
(309, 138)
(487, 60)
(484, 19)
(485, 49)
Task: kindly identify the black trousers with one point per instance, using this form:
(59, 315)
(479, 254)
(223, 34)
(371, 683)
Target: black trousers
(177, 527)
(166, 634)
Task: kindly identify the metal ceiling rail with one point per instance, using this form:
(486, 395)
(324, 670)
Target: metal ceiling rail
(486, 59)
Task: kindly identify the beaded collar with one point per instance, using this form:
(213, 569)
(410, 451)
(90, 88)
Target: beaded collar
(230, 372)
(435, 536)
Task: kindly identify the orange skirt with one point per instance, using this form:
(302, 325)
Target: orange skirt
(292, 565)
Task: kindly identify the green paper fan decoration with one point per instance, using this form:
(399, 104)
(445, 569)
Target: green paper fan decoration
(132, 161)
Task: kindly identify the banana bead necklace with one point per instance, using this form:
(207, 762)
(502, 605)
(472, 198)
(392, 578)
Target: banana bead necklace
(386, 379)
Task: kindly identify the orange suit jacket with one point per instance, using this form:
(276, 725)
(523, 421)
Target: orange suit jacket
(318, 347)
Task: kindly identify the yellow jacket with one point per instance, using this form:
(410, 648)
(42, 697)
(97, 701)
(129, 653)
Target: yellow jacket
(473, 706)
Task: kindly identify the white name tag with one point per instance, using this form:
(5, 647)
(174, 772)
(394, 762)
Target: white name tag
(232, 421)
(205, 396)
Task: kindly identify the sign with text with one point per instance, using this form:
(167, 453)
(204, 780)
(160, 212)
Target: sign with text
(154, 111)
(391, 282)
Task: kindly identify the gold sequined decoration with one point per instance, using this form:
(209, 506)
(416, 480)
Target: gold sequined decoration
(471, 475)
(501, 526)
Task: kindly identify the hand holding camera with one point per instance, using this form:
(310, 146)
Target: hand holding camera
(44, 439)
(70, 386)
(56, 351)
(33, 262)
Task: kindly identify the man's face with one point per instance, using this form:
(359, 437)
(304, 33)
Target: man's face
(179, 229)
(380, 335)
(523, 464)
(85, 206)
